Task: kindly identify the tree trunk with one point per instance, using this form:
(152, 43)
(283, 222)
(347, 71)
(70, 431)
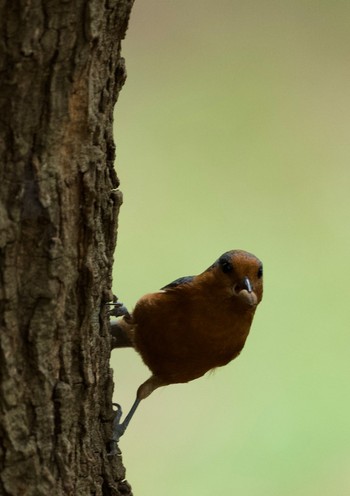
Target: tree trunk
(60, 74)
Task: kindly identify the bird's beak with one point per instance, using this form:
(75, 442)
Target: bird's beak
(247, 284)
(244, 291)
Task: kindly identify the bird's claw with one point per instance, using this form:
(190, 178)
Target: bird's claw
(118, 431)
(118, 414)
(119, 309)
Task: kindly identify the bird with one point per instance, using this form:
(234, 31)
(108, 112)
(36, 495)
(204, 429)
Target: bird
(190, 326)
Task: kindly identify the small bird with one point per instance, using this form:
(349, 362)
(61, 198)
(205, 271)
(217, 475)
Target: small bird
(192, 325)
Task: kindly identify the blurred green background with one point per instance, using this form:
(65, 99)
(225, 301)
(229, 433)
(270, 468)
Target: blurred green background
(233, 132)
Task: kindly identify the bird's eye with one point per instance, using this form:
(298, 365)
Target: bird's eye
(226, 266)
(260, 272)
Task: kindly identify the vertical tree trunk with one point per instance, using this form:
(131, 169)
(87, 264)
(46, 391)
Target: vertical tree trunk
(60, 74)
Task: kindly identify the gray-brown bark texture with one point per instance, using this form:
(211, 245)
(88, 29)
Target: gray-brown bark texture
(60, 74)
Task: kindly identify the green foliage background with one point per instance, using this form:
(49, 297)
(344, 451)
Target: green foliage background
(233, 132)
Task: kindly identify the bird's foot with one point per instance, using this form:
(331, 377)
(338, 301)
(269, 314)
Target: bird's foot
(119, 309)
(118, 431)
(120, 427)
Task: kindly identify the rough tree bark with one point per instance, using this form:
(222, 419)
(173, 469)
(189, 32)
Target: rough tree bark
(60, 74)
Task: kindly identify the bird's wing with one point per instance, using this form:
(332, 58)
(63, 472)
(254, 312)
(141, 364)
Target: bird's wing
(179, 282)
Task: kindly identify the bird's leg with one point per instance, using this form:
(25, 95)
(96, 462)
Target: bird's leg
(122, 328)
(121, 335)
(120, 428)
(143, 391)
(122, 331)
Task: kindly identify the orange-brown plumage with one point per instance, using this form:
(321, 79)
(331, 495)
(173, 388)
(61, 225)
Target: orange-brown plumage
(196, 323)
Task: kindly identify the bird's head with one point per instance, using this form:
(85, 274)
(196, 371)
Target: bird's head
(241, 273)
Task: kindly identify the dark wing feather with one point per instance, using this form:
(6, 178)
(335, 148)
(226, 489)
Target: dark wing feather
(179, 282)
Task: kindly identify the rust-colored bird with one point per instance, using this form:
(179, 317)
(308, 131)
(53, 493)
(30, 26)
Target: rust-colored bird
(192, 325)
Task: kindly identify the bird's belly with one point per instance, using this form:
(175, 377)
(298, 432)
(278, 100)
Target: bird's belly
(182, 353)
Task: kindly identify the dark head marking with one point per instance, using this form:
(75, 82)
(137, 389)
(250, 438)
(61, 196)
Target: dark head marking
(225, 263)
